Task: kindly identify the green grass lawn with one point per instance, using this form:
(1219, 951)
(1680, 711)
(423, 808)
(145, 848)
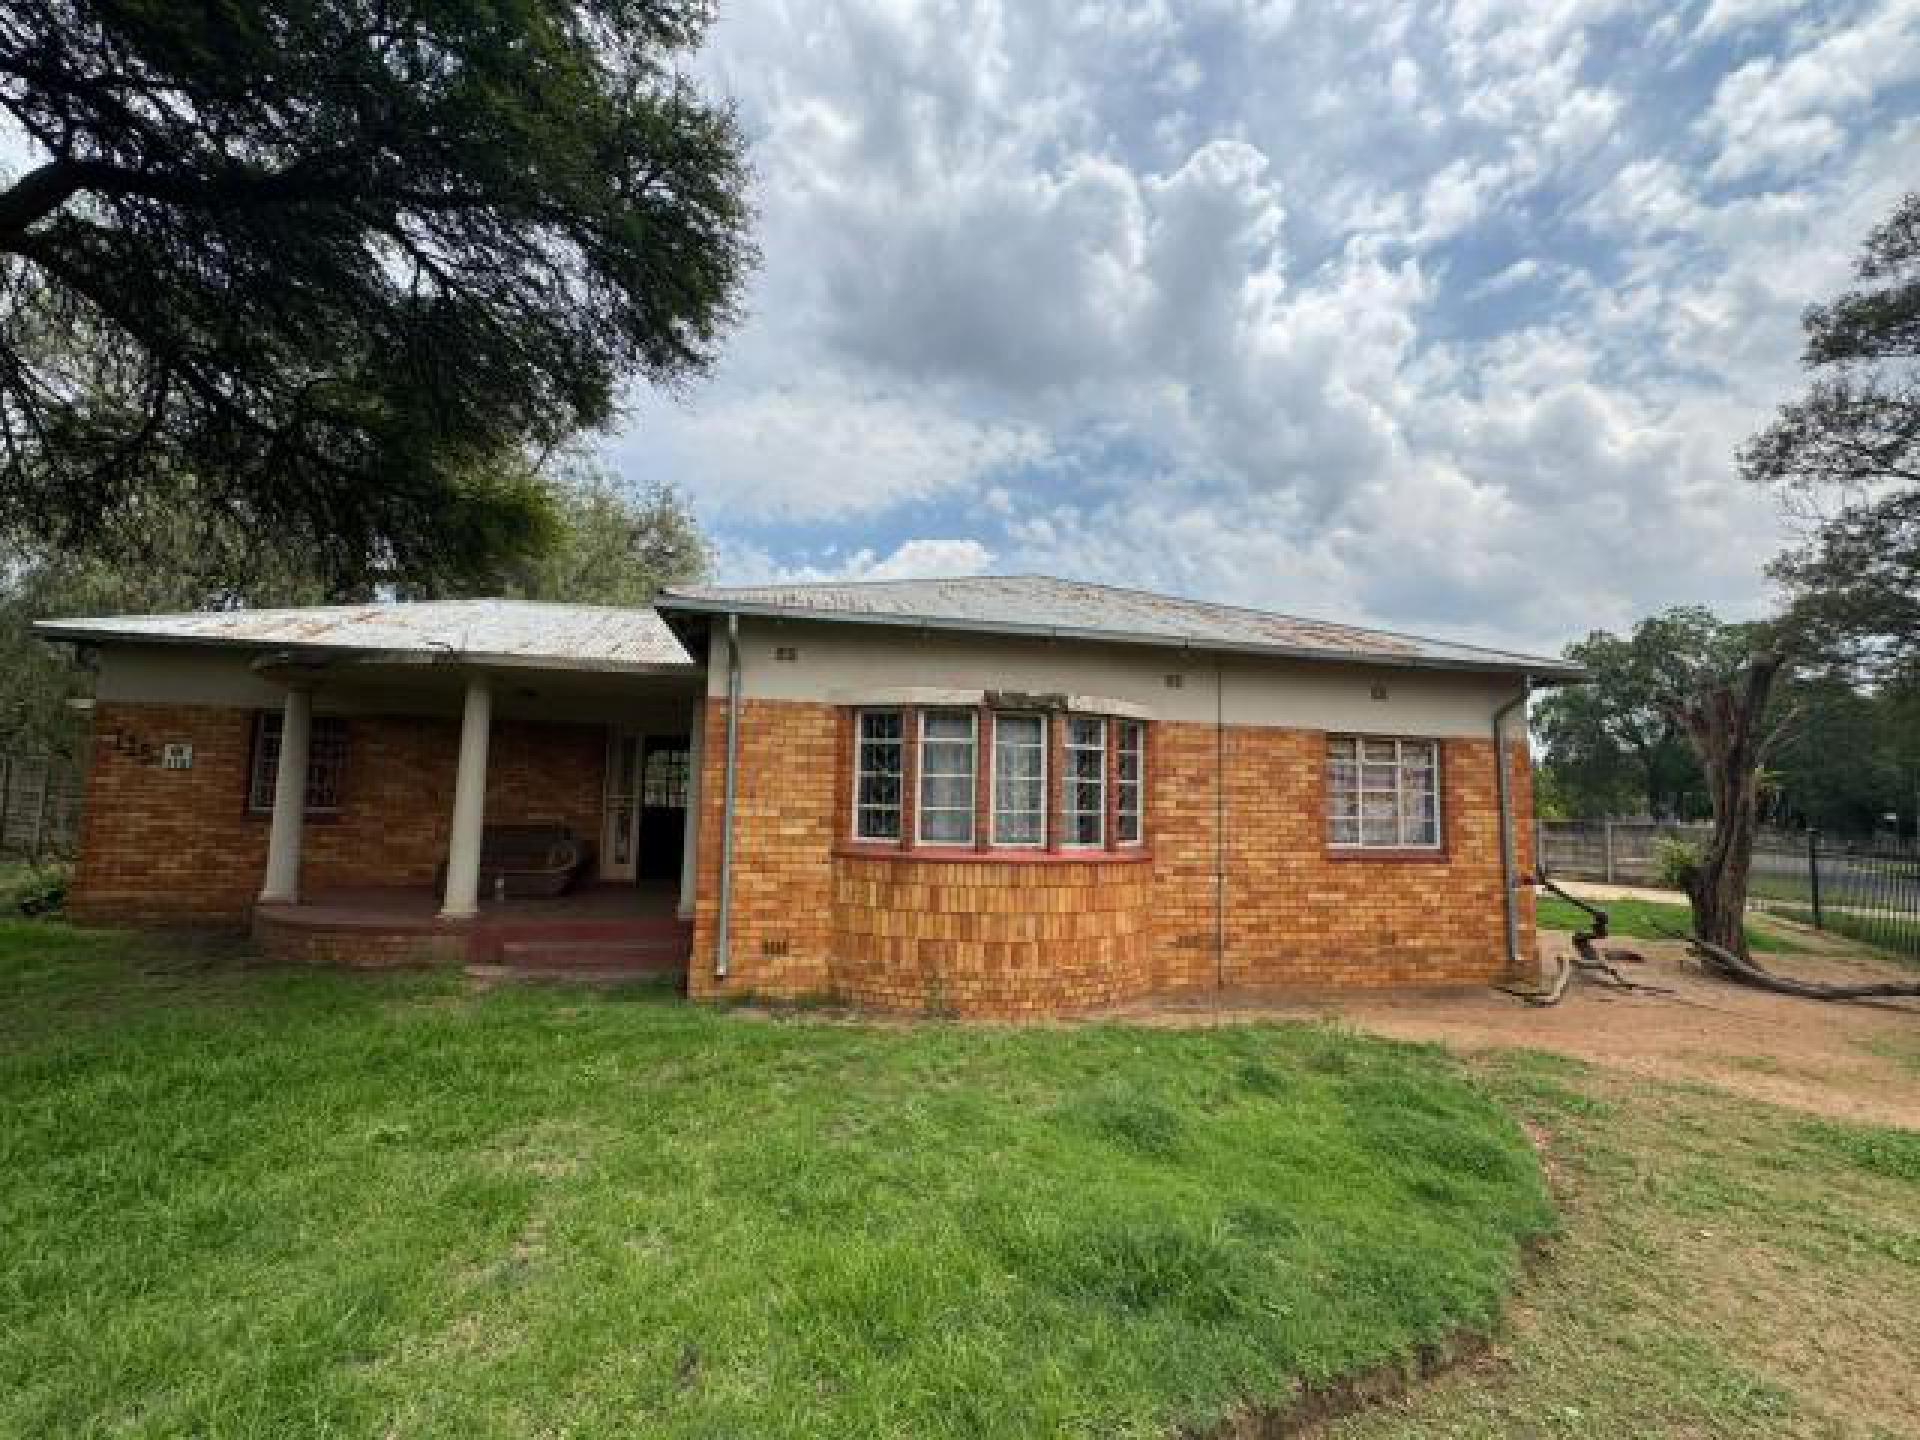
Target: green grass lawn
(1648, 920)
(1896, 935)
(247, 1203)
(1724, 1269)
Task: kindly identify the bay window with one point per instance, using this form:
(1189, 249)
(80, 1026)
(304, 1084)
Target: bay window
(1383, 794)
(949, 779)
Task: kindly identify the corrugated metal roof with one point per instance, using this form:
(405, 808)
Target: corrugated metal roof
(1042, 605)
(506, 632)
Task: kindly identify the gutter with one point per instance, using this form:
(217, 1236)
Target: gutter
(1502, 788)
(722, 935)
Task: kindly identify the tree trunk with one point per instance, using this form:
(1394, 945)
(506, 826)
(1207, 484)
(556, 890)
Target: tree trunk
(1724, 724)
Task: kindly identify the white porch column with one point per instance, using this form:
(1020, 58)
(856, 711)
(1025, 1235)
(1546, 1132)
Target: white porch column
(282, 885)
(690, 837)
(462, 900)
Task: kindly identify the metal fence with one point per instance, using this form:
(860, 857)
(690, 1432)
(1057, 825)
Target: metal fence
(40, 802)
(1864, 890)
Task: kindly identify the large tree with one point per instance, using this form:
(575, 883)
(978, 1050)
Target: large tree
(312, 268)
(1614, 746)
(1846, 457)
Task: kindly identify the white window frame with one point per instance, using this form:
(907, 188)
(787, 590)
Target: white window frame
(1400, 746)
(920, 836)
(1139, 783)
(263, 773)
(1069, 778)
(1039, 842)
(860, 743)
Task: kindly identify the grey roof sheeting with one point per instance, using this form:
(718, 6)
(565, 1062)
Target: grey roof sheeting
(501, 632)
(1043, 606)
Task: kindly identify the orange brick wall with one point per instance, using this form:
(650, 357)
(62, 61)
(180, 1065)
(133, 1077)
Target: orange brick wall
(990, 938)
(1296, 913)
(180, 845)
(919, 934)
(786, 809)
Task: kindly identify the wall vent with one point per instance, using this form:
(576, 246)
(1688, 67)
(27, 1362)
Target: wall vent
(1176, 682)
(786, 654)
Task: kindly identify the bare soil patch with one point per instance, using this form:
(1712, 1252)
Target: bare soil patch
(1849, 1061)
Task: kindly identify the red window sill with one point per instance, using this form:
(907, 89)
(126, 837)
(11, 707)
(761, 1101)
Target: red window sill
(956, 855)
(1387, 857)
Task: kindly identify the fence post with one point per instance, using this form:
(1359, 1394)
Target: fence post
(1606, 843)
(1813, 875)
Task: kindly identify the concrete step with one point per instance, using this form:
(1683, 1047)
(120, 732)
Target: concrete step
(657, 954)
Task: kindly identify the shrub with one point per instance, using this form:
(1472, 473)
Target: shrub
(1676, 862)
(42, 891)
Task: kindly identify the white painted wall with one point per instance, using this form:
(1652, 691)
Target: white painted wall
(847, 664)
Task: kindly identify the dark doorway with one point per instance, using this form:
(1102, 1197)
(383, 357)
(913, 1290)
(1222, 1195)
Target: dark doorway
(663, 806)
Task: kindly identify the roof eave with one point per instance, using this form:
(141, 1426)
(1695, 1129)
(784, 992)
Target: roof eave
(1543, 671)
(58, 630)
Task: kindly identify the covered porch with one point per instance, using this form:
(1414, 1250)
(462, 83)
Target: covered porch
(504, 811)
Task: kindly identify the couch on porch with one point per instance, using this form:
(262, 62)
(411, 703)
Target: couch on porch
(521, 860)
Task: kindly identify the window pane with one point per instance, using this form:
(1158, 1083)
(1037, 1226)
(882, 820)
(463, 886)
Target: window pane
(947, 827)
(1017, 828)
(326, 761)
(947, 792)
(946, 777)
(949, 725)
(880, 762)
(1019, 783)
(1383, 833)
(1084, 829)
(879, 824)
(1383, 793)
(880, 790)
(1084, 731)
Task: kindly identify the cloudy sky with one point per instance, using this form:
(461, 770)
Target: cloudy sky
(1446, 316)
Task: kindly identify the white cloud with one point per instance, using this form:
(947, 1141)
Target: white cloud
(1441, 316)
(1785, 115)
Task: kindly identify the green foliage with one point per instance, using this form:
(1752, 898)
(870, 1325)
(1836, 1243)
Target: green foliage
(317, 271)
(1847, 456)
(1611, 747)
(37, 891)
(243, 1201)
(1676, 862)
(611, 546)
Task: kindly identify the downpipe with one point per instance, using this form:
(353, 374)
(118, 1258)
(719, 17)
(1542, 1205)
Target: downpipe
(1503, 789)
(722, 935)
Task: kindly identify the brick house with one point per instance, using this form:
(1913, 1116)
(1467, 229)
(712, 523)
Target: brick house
(992, 796)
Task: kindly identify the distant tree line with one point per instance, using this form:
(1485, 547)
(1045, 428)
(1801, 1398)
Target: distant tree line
(1848, 753)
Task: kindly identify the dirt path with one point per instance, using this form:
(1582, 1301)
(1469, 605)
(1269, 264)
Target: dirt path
(1856, 1062)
